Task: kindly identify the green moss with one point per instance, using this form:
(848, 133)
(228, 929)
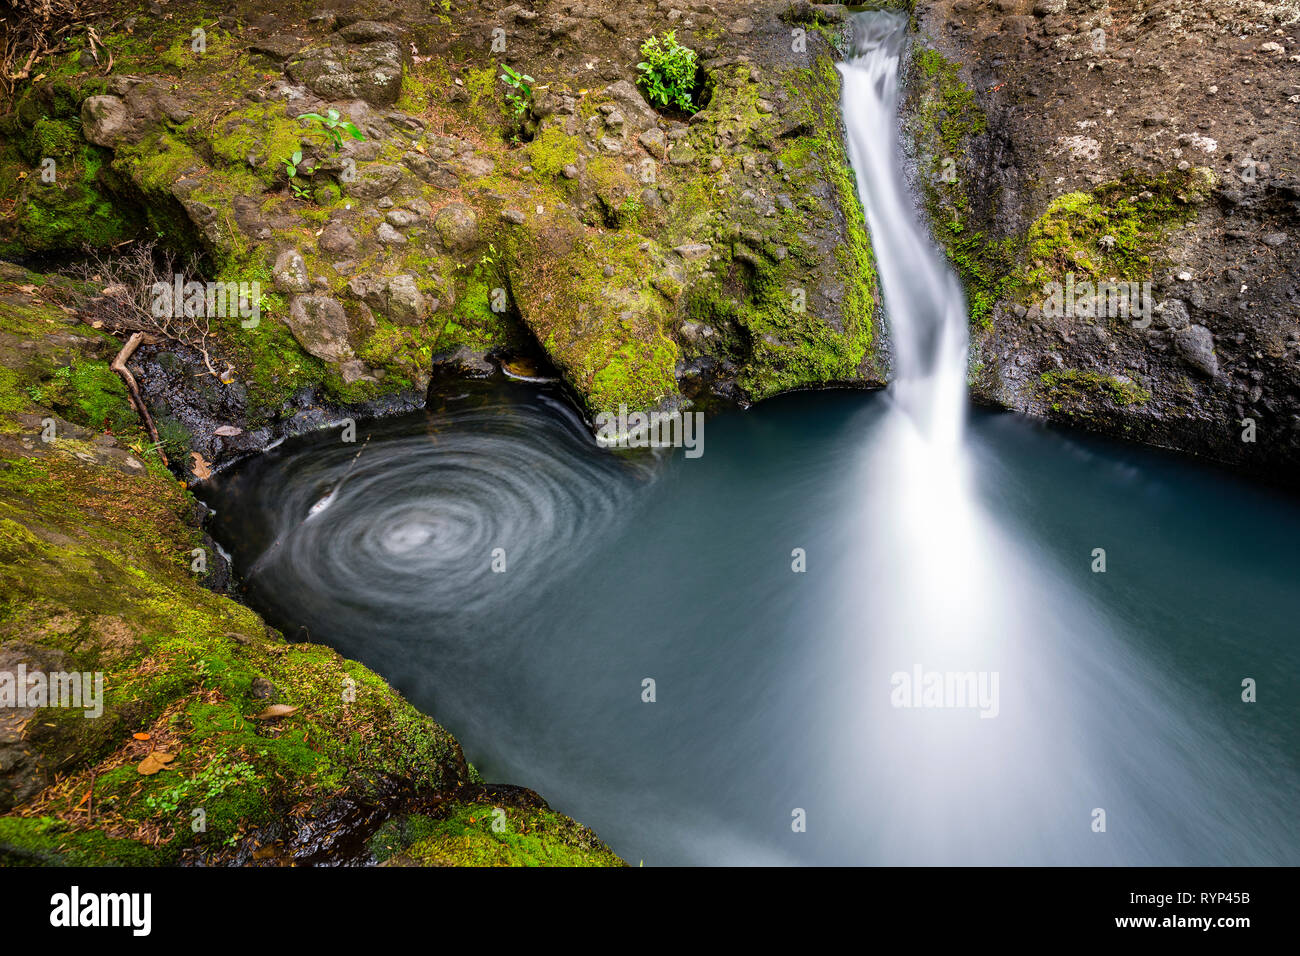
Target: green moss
(13, 398)
(1072, 391)
(88, 393)
(604, 332)
(484, 108)
(76, 210)
(258, 136)
(616, 190)
(1112, 231)
(784, 346)
(474, 322)
(115, 547)
(472, 834)
(182, 57)
(45, 841)
(945, 119)
(54, 138)
(949, 108)
(638, 374)
(551, 151)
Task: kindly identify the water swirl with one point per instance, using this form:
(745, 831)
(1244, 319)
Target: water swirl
(441, 518)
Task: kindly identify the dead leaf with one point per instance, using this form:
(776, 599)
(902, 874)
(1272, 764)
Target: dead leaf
(29, 289)
(227, 431)
(202, 469)
(276, 710)
(154, 762)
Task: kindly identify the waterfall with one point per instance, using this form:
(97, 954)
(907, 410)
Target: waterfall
(918, 463)
(926, 306)
(957, 589)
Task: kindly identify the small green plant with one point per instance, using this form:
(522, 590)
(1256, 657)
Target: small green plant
(520, 96)
(292, 164)
(210, 782)
(334, 126)
(668, 72)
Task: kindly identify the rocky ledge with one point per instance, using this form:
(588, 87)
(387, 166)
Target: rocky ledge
(655, 260)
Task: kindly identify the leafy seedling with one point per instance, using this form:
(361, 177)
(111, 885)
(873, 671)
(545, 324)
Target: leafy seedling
(335, 127)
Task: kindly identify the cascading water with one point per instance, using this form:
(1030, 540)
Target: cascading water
(926, 306)
(959, 592)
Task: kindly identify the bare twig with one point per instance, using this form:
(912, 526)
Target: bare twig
(126, 285)
(118, 365)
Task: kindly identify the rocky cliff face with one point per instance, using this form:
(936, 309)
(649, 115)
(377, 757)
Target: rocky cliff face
(1108, 145)
(652, 259)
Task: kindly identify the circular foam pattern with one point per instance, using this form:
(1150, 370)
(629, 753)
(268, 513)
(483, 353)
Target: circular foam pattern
(413, 524)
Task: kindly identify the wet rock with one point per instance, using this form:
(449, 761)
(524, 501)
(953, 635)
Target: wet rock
(103, 119)
(654, 142)
(402, 218)
(337, 239)
(693, 250)
(396, 297)
(372, 72)
(457, 225)
(683, 154)
(375, 181)
(1196, 345)
(24, 757)
(367, 31)
(320, 325)
(465, 361)
(389, 236)
(632, 104)
(355, 370)
(248, 217)
(1172, 314)
(406, 304)
(429, 170)
(290, 272)
(278, 46)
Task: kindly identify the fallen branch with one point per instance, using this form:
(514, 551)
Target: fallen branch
(126, 298)
(118, 365)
